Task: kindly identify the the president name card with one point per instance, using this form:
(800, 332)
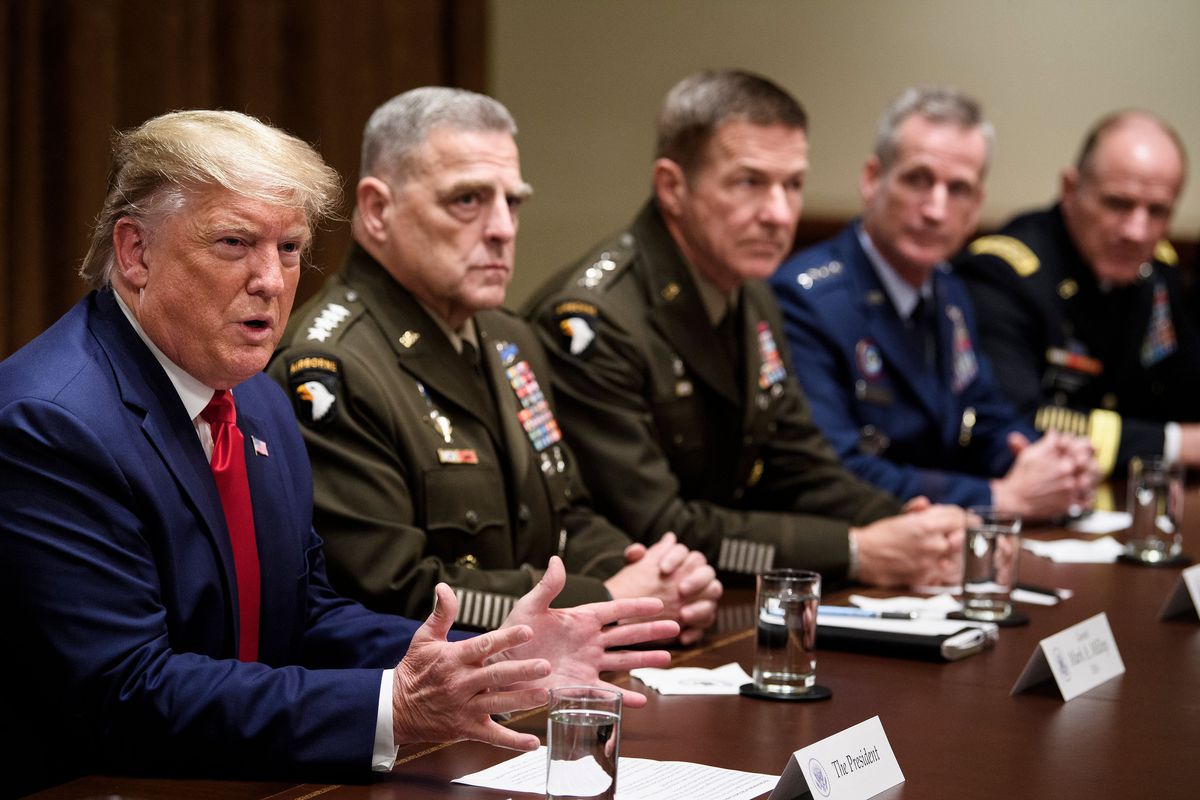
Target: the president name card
(852, 765)
(1079, 658)
(1185, 597)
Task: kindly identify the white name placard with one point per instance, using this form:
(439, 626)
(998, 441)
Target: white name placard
(852, 765)
(1185, 596)
(1079, 658)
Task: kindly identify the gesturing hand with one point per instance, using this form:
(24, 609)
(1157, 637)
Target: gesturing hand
(575, 641)
(446, 691)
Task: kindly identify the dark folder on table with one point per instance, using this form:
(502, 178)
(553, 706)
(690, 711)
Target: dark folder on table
(927, 640)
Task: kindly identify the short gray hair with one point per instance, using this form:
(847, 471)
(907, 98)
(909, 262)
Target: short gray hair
(402, 124)
(945, 105)
(155, 164)
(696, 106)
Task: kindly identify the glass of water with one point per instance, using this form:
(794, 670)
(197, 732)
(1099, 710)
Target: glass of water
(1155, 505)
(583, 738)
(991, 550)
(785, 660)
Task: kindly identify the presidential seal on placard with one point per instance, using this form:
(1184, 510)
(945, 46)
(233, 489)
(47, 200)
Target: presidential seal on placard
(820, 779)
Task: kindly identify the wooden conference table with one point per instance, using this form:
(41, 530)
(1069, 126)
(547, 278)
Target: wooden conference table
(955, 730)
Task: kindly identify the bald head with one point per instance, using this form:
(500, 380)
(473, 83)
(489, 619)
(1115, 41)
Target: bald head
(1118, 199)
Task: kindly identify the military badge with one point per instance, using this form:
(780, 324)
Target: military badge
(439, 421)
(1160, 340)
(507, 352)
(868, 360)
(314, 382)
(964, 366)
(448, 456)
(771, 370)
(535, 416)
(577, 324)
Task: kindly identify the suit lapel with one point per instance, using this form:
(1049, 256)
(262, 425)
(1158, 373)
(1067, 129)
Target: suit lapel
(145, 387)
(273, 499)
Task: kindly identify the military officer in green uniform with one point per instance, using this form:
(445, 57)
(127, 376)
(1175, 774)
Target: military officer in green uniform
(1080, 306)
(427, 411)
(672, 372)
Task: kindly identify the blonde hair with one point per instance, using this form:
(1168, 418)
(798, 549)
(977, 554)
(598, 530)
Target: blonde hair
(157, 163)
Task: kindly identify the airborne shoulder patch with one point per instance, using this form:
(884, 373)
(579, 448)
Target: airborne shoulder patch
(314, 382)
(576, 323)
(1013, 251)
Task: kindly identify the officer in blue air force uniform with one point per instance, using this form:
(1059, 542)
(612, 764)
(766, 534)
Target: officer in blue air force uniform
(884, 335)
(914, 427)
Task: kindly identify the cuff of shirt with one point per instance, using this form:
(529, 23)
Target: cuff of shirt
(383, 757)
(1172, 442)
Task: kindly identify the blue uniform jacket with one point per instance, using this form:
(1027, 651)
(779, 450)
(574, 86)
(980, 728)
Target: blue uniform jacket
(117, 587)
(894, 421)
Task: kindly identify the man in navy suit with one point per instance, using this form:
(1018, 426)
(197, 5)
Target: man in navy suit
(883, 335)
(139, 638)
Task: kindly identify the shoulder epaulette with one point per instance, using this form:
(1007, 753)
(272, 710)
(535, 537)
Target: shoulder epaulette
(1164, 251)
(329, 320)
(608, 262)
(1013, 251)
(814, 275)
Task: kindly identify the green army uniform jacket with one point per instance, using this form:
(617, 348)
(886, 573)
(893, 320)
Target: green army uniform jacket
(675, 432)
(418, 478)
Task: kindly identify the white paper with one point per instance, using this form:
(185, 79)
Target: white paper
(855, 764)
(725, 679)
(935, 607)
(918, 627)
(1033, 598)
(1077, 551)
(637, 779)
(1102, 522)
(584, 777)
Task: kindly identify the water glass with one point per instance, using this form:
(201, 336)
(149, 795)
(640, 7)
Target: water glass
(583, 738)
(785, 660)
(991, 550)
(1155, 504)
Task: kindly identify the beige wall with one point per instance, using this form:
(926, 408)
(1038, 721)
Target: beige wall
(584, 79)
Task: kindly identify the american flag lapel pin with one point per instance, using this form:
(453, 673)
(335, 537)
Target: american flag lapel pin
(260, 447)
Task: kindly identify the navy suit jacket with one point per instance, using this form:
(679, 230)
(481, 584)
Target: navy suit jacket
(895, 421)
(117, 582)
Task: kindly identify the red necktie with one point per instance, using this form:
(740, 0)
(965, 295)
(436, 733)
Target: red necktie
(229, 470)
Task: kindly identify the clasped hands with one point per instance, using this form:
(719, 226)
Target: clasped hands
(446, 691)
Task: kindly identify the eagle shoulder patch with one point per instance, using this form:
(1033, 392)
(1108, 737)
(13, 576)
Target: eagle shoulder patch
(314, 382)
(576, 322)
